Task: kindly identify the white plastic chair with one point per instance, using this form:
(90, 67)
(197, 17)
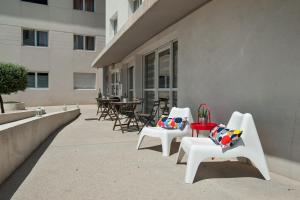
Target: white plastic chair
(165, 135)
(249, 146)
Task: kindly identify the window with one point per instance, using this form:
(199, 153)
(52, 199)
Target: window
(42, 38)
(42, 80)
(160, 75)
(115, 26)
(78, 4)
(84, 81)
(37, 80)
(87, 5)
(115, 83)
(149, 71)
(164, 69)
(45, 2)
(33, 37)
(135, 4)
(84, 42)
(130, 83)
(90, 43)
(31, 80)
(175, 63)
(28, 37)
(78, 42)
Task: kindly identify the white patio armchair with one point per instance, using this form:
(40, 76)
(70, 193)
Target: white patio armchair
(167, 135)
(248, 146)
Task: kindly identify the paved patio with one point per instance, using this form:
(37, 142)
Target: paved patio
(87, 160)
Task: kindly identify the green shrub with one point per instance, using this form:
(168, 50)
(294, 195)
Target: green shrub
(13, 78)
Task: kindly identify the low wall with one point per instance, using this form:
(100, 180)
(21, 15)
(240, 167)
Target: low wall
(15, 116)
(19, 139)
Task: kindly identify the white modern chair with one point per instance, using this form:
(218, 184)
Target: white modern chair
(249, 146)
(166, 135)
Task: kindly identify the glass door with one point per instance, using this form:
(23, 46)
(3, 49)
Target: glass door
(160, 76)
(115, 83)
(149, 81)
(131, 83)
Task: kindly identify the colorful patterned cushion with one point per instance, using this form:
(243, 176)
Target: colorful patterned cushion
(215, 132)
(225, 137)
(171, 123)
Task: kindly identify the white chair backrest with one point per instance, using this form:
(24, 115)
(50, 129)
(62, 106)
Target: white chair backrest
(181, 112)
(235, 121)
(246, 123)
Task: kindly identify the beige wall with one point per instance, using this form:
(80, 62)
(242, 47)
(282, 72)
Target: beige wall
(59, 58)
(241, 55)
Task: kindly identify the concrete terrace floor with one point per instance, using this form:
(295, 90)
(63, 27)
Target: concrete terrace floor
(87, 160)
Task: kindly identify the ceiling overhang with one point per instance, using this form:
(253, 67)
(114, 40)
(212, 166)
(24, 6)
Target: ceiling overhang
(150, 19)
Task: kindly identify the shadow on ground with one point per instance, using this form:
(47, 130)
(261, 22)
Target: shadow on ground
(226, 169)
(13, 182)
(216, 169)
(158, 148)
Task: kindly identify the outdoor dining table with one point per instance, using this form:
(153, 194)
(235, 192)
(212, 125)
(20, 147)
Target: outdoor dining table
(107, 108)
(125, 111)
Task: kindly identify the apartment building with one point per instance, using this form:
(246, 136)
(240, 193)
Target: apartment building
(233, 55)
(57, 41)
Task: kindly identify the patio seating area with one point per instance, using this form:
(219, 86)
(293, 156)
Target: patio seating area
(104, 164)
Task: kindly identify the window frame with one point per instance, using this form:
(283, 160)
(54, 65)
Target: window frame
(84, 43)
(84, 8)
(132, 5)
(36, 80)
(35, 37)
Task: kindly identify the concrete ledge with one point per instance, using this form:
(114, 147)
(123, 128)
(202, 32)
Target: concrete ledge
(15, 116)
(19, 139)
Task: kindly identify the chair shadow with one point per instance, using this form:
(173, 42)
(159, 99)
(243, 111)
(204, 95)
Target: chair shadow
(90, 119)
(174, 148)
(13, 182)
(226, 169)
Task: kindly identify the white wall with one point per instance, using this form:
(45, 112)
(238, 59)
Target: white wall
(59, 58)
(242, 55)
(123, 10)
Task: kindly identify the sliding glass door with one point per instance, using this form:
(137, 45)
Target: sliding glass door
(149, 81)
(130, 82)
(160, 75)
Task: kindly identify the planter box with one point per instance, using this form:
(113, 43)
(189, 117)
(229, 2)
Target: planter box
(11, 106)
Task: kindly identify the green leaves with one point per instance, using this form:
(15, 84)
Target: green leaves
(12, 78)
(203, 113)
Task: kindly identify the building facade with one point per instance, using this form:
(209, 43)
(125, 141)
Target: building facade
(233, 55)
(56, 41)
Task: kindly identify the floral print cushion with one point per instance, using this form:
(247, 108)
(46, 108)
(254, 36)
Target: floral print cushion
(171, 123)
(224, 136)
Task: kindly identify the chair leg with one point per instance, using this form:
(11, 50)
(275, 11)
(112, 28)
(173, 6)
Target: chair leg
(166, 145)
(98, 110)
(260, 163)
(181, 153)
(191, 169)
(140, 141)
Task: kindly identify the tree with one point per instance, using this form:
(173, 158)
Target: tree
(13, 78)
